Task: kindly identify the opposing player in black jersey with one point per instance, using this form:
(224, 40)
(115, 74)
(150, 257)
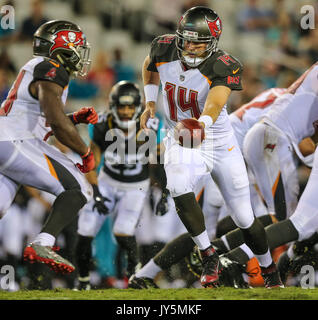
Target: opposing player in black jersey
(123, 179)
(197, 79)
(32, 111)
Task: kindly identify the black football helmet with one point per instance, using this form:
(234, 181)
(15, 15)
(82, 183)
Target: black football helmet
(198, 24)
(65, 42)
(125, 93)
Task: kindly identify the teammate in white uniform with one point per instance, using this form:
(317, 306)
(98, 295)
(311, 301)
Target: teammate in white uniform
(197, 79)
(292, 122)
(271, 147)
(302, 226)
(34, 107)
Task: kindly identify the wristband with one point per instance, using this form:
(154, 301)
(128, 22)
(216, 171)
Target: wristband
(151, 92)
(87, 153)
(207, 120)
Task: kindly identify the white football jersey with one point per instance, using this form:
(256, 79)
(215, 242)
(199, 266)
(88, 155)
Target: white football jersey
(295, 114)
(20, 114)
(185, 89)
(248, 114)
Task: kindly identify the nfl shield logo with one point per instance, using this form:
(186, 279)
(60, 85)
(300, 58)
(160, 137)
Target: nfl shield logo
(182, 77)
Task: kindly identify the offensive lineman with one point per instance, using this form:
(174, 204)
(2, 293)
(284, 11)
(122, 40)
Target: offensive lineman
(33, 108)
(197, 79)
(294, 120)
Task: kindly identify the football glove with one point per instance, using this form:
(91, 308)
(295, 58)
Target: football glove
(100, 201)
(162, 206)
(231, 273)
(88, 162)
(85, 115)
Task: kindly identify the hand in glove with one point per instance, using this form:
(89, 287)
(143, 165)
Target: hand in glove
(100, 201)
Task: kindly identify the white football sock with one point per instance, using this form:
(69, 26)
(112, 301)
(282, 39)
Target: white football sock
(264, 260)
(202, 240)
(247, 250)
(223, 238)
(44, 239)
(149, 270)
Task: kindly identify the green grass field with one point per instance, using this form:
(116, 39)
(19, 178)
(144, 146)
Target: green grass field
(290, 293)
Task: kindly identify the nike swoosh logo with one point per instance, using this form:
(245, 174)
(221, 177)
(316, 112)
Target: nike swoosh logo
(235, 71)
(55, 64)
(230, 149)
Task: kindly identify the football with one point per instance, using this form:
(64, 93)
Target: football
(189, 133)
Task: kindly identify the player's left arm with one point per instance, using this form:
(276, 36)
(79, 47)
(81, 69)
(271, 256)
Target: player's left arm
(216, 99)
(225, 75)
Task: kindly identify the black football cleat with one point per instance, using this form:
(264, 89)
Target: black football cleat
(141, 283)
(83, 286)
(231, 273)
(271, 277)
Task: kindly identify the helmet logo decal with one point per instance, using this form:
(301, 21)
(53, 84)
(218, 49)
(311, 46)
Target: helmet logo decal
(215, 27)
(66, 39)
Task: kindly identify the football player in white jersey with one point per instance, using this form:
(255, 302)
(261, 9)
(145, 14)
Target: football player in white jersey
(242, 120)
(273, 147)
(302, 227)
(289, 122)
(32, 111)
(197, 79)
(215, 210)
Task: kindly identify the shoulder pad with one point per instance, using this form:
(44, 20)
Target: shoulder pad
(163, 48)
(225, 65)
(51, 70)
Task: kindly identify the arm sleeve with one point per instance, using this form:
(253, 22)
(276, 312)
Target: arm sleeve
(234, 82)
(152, 65)
(227, 71)
(49, 71)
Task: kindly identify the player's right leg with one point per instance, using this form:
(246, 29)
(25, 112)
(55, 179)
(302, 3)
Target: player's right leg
(230, 173)
(263, 164)
(181, 246)
(269, 157)
(184, 168)
(37, 164)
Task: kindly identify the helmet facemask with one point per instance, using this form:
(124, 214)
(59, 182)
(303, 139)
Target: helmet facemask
(125, 124)
(125, 93)
(76, 60)
(200, 56)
